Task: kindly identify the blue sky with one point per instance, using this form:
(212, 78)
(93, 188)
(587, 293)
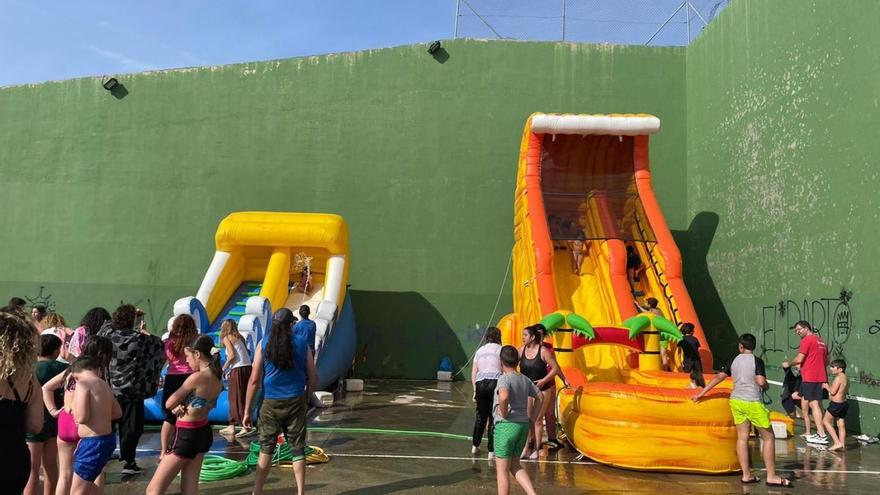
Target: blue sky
(43, 40)
(63, 39)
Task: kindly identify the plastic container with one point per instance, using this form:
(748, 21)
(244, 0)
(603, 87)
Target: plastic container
(444, 376)
(354, 385)
(322, 399)
(780, 429)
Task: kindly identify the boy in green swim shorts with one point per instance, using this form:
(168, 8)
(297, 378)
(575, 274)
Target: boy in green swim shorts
(513, 417)
(749, 381)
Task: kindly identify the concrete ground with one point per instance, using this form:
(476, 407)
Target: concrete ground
(364, 463)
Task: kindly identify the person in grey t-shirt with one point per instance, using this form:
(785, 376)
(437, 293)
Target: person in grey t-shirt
(749, 381)
(513, 417)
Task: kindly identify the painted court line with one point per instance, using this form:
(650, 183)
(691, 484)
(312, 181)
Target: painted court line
(540, 461)
(452, 458)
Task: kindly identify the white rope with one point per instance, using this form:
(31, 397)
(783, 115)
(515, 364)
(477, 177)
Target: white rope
(491, 318)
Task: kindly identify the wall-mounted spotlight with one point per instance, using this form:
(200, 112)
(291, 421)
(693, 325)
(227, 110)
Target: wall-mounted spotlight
(109, 84)
(432, 49)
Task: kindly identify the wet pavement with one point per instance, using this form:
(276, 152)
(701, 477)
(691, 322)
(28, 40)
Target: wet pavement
(381, 462)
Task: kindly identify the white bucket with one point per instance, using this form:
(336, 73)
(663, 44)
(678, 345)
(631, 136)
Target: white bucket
(444, 376)
(322, 399)
(354, 385)
(779, 429)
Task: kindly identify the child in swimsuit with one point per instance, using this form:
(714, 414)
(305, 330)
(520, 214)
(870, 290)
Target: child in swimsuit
(94, 409)
(838, 407)
(193, 436)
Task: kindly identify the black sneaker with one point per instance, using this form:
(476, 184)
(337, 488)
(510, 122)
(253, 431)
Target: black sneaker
(130, 469)
(553, 444)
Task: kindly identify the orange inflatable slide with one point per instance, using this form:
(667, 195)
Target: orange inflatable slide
(584, 187)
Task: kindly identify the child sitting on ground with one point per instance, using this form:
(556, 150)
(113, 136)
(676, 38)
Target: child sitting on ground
(838, 406)
(95, 408)
(749, 381)
(513, 420)
(791, 383)
(691, 362)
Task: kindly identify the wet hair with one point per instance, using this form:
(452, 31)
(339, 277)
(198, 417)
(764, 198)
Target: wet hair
(53, 319)
(305, 311)
(805, 324)
(183, 331)
(493, 335)
(124, 316)
(230, 329)
(687, 328)
(41, 311)
(279, 348)
(94, 319)
(86, 363)
(100, 348)
(652, 302)
(535, 332)
(509, 356)
(838, 363)
(204, 345)
(541, 329)
(49, 345)
(17, 302)
(18, 346)
(748, 341)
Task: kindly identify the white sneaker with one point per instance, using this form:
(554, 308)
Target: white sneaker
(491, 456)
(534, 456)
(475, 450)
(821, 440)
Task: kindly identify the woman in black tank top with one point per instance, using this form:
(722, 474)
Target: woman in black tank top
(21, 407)
(539, 365)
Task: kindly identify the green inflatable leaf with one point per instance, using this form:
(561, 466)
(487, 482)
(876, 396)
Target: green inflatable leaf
(667, 329)
(637, 325)
(581, 326)
(553, 322)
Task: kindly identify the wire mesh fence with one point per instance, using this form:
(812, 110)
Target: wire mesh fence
(628, 22)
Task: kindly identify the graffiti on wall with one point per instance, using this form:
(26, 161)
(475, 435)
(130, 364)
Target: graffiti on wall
(831, 318)
(42, 298)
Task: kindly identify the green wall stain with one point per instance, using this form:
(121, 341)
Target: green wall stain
(781, 110)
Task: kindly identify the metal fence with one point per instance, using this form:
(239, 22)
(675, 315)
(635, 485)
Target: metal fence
(628, 22)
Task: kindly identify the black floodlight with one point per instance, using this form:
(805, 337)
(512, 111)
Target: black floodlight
(111, 83)
(434, 47)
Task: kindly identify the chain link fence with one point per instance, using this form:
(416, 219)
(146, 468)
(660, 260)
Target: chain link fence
(627, 22)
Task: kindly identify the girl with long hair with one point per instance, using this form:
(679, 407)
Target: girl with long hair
(183, 332)
(285, 369)
(538, 364)
(55, 324)
(238, 365)
(91, 322)
(101, 349)
(191, 403)
(21, 405)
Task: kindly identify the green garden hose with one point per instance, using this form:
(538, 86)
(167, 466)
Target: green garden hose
(216, 468)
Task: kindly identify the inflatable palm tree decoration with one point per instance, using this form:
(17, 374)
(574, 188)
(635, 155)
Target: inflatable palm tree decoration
(577, 323)
(655, 328)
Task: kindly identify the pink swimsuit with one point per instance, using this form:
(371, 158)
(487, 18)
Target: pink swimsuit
(67, 427)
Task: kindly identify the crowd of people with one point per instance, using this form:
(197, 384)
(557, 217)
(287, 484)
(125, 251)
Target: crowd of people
(514, 389)
(70, 397)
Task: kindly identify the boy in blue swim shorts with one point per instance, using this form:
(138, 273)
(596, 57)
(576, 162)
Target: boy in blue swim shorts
(513, 417)
(94, 408)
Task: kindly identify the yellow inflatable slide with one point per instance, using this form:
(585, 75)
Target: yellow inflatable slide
(584, 207)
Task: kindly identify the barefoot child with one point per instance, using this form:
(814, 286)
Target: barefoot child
(513, 419)
(749, 380)
(838, 407)
(44, 449)
(94, 408)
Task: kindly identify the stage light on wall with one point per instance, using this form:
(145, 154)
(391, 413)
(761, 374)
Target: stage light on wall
(432, 49)
(110, 83)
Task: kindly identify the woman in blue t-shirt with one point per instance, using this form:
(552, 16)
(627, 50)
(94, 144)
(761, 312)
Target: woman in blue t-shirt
(284, 368)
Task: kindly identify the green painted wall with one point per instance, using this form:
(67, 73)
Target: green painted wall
(108, 199)
(782, 178)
